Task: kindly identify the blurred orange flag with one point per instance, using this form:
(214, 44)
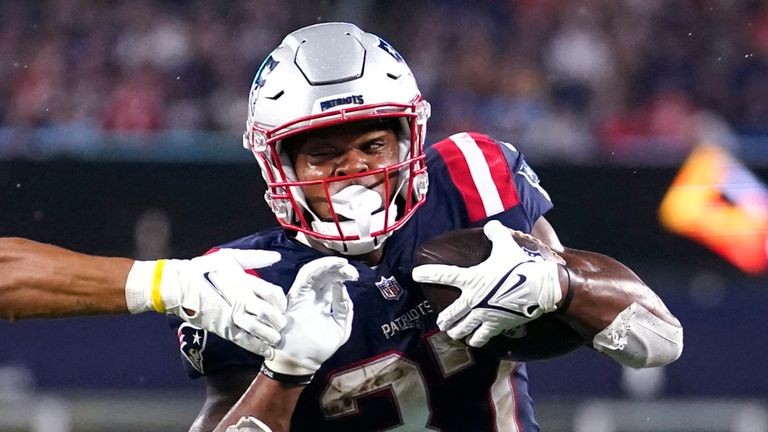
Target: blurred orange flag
(718, 202)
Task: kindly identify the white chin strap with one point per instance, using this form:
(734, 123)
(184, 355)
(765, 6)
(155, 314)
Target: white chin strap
(361, 206)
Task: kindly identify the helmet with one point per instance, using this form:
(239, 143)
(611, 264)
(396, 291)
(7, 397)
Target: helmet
(324, 75)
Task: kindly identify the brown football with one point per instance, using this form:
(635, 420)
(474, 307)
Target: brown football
(545, 337)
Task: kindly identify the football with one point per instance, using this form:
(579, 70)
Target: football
(545, 337)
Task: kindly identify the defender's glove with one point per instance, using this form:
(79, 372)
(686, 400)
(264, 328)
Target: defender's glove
(214, 292)
(505, 291)
(319, 316)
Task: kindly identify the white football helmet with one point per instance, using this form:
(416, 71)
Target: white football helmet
(324, 75)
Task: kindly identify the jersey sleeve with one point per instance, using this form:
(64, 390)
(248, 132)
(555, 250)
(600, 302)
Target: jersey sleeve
(491, 180)
(204, 353)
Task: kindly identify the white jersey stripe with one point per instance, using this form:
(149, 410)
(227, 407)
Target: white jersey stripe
(480, 172)
(504, 398)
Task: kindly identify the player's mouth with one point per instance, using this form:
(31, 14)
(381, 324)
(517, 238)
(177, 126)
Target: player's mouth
(371, 184)
(347, 203)
(341, 218)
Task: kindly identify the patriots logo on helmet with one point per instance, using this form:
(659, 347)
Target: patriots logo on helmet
(192, 341)
(391, 50)
(261, 76)
(390, 289)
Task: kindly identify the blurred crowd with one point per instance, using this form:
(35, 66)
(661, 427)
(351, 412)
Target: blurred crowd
(576, 81)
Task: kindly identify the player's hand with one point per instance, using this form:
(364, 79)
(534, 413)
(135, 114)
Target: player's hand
(319, 316)
(215, 293)
(505, 291)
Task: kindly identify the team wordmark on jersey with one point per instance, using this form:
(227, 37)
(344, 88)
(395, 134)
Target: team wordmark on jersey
(390, 289)
(192, 342)
(409, 320)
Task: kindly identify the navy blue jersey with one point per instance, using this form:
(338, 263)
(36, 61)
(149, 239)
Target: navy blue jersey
(397, 371)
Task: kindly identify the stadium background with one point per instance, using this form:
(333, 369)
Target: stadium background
(119, 135)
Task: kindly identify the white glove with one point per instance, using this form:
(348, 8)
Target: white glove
(249, 424)
(319, 316)
(505, 291)
(214, 292)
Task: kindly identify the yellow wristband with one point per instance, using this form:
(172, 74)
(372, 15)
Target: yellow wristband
(157, 299)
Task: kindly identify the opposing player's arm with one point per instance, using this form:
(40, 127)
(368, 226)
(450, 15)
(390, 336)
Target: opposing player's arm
(212, 292)
(41, 280)
(611, 306)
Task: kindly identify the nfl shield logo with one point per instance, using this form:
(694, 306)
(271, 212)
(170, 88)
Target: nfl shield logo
(390, 289)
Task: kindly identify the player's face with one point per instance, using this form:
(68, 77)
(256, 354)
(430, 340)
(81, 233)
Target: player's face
(340, 151)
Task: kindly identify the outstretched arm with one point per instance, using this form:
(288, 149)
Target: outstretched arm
(40, 280)
(212, 292)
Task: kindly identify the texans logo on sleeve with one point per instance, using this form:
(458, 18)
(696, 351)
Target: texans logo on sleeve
(192, 342)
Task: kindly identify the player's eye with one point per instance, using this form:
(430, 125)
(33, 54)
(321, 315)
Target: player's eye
(323, 152)
(373, 146)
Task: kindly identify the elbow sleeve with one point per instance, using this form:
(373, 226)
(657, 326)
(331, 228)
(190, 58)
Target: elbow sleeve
(639, 339)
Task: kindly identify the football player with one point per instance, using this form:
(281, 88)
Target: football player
(337, 125)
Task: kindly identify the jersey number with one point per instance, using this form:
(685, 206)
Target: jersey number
(400, 377)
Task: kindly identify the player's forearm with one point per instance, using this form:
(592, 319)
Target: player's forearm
(602, 288)
(41, 280)
(618, 313)
(269, 401)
